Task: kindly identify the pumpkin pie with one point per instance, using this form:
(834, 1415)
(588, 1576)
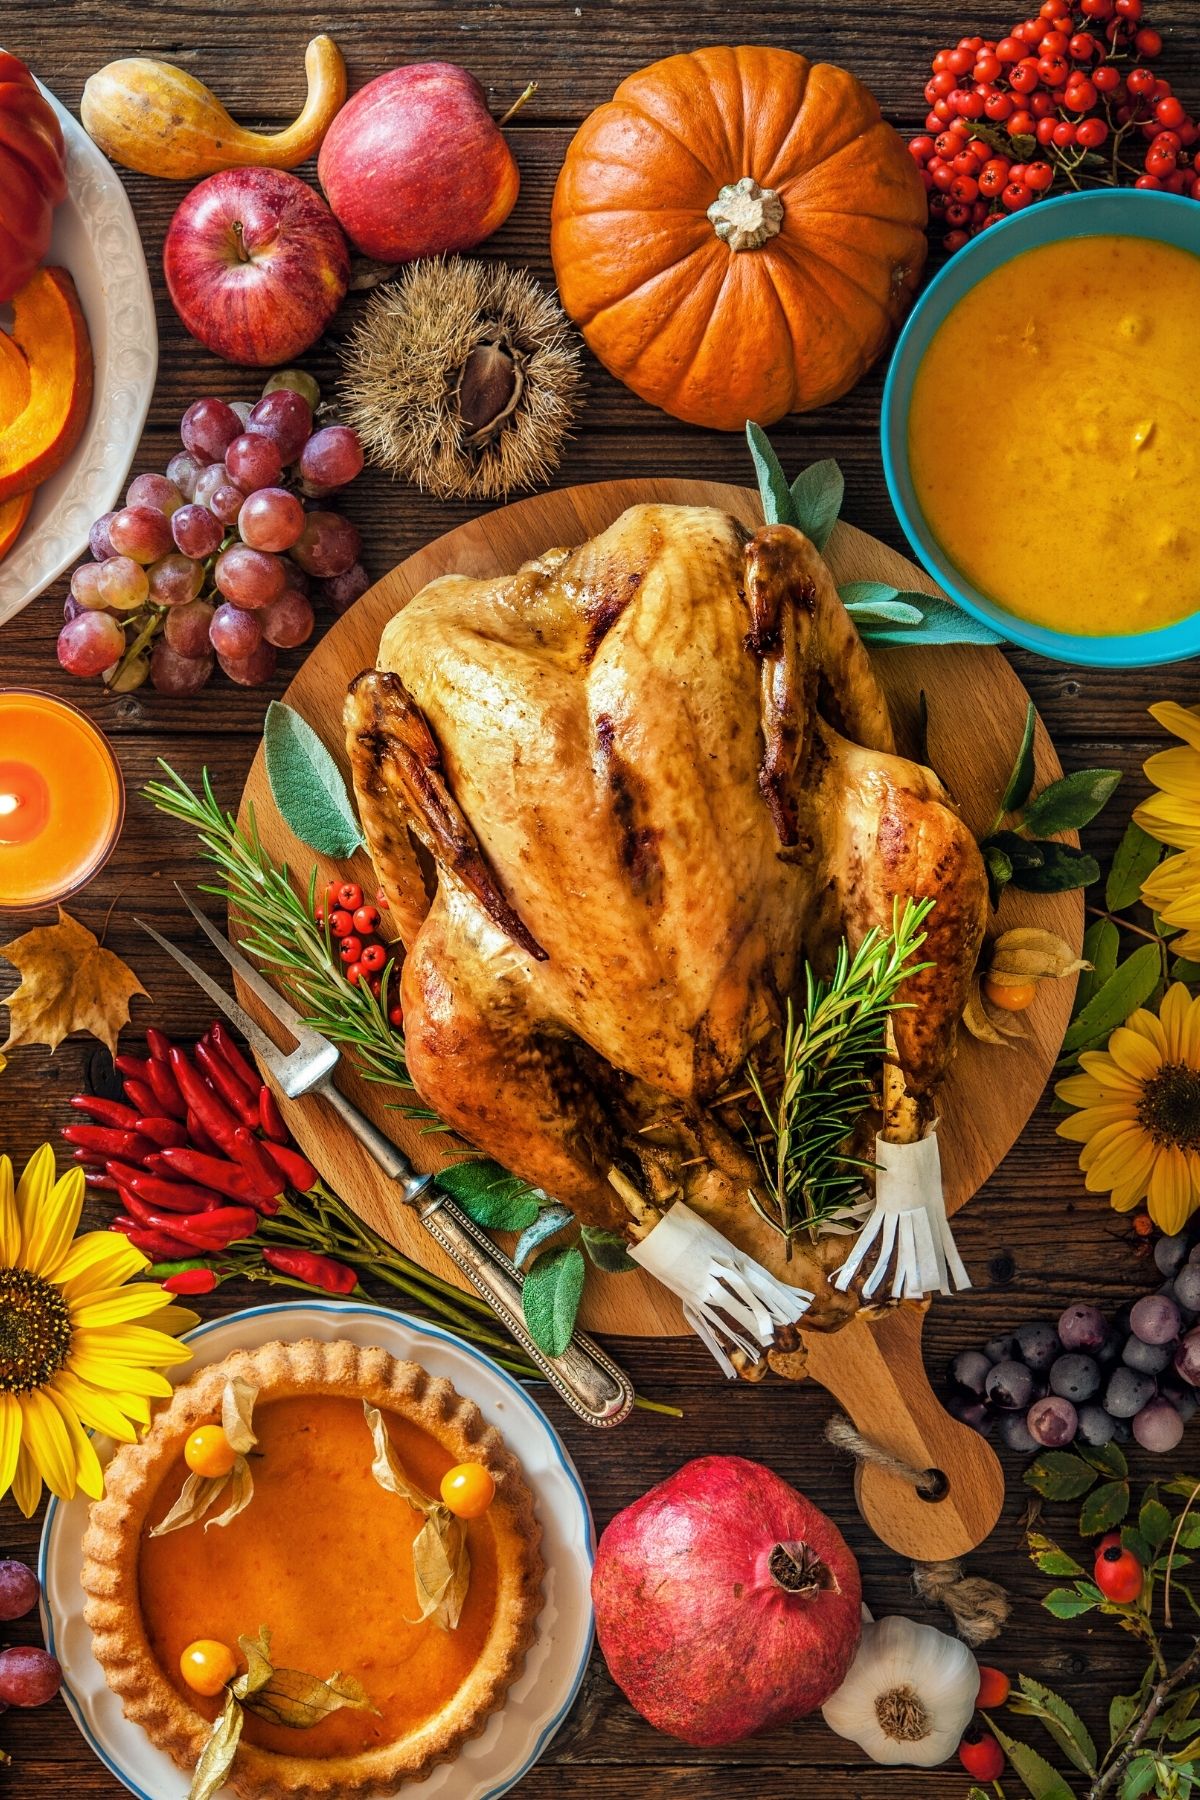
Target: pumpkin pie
(321, 1557)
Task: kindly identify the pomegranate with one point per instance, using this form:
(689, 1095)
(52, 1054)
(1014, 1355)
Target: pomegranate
(725, 1601)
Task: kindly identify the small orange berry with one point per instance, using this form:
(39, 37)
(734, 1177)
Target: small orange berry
(207, 1665)
(209, 1452)
(468, 1490)
(1009, 998)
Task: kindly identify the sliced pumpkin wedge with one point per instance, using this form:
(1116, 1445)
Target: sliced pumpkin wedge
(51, 331)
(14, 397)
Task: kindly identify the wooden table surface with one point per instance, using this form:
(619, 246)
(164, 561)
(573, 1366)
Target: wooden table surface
(1034, 1240)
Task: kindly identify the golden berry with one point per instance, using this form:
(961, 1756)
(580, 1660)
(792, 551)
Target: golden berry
(468, 1490)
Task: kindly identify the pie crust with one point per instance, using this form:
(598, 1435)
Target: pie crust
(112, 1545)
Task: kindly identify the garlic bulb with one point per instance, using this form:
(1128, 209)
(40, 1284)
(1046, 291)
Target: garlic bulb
(909, 1695)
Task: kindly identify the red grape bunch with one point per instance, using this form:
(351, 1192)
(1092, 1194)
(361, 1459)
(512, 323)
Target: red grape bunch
(219, 560)
(1065, 100)
(29, 1675)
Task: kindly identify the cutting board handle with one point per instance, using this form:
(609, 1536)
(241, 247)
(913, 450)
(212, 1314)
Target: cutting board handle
(877, 1373)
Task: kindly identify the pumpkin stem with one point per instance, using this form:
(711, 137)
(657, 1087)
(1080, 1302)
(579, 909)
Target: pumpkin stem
(744, 215)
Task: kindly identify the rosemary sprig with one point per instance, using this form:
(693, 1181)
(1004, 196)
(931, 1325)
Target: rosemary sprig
(277, 928)
(831, 1056)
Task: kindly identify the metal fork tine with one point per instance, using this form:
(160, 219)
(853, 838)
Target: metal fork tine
(271, 998)
(253, 1033)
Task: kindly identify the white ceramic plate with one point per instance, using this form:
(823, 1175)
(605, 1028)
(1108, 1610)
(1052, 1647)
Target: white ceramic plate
(536, 1705)
(96, 239)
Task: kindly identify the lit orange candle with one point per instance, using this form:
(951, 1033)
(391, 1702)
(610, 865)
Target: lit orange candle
(61, 800)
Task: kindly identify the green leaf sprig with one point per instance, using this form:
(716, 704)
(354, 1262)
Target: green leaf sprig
(833, 1046)
(883, 614)
(1153, 1733)
(1025, 853)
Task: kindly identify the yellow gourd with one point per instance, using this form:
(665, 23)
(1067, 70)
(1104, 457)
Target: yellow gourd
(157, 119)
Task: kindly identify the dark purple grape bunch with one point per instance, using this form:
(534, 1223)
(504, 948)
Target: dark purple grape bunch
(1083, 1378)
(219, 560)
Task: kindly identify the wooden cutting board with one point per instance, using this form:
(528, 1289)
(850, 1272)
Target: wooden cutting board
(976, 710)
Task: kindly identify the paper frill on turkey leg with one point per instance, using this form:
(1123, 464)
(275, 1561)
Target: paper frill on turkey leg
(910, 1223)
(727, 1296)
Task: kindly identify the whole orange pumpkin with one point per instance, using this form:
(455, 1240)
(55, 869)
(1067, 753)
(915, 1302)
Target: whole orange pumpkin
(737, 233)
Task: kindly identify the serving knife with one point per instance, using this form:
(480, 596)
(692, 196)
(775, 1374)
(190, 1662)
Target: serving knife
(586, 1378)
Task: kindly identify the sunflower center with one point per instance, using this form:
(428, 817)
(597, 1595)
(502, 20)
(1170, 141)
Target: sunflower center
(1169, 1108)
(902, 1715)
(35, 1331)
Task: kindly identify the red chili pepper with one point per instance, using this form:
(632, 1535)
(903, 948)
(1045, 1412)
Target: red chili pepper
(105, 1112)
(213, 1230)
(237, 1097)
(191, 1281)
(120, 1223)
(225, 1047)
(159, 1246)
(111, 1142)
(212, 1112)
(122, 1173)
(270, 1117)
(137, 1066)
(91, 1159)
(166, 1091)
(199, 1137)
(295, 1169)
(257, 1164)
(226, 1177)
(140, 1096)
(317, 1271)
(176, 1196)
(168, 1134)
(158, 1045)
(137, 1209)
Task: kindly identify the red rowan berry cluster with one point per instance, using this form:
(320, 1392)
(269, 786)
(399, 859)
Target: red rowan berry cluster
(1065, 100)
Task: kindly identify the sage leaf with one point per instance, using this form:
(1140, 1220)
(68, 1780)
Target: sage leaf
(441, 1560)
(1129, 987)
(607, 1250)
(817, 495)
(1020, 782)
(1072, 802)
(1041, 1781)
(1101, 947)
(1104, 1507)
(1060, 869)
(1062, 1603)
(1137, 857)
(999, 871)
(549, 1222)
(1050, 1559)
(1061, 1721)
(491, 1196)
(550, 1297)
(216, 1758)
(880, 601)
(1022, 853)
(1059, 1475)
(307, 784)
(941, 622)
(777, 505)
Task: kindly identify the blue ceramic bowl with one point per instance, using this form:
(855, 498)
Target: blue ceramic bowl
(1123, 212)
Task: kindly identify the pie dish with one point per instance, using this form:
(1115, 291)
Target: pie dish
(320, 1558)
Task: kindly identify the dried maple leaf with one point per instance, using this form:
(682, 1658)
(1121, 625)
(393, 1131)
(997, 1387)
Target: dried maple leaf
(68, 983)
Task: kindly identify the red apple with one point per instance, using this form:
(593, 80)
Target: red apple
(415, 165)
(256, 265)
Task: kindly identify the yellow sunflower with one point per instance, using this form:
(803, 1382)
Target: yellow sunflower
(1172, 815)
(1139, 1118)
(78, 1348)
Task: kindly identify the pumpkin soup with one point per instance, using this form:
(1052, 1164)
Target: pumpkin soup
(1053, 435)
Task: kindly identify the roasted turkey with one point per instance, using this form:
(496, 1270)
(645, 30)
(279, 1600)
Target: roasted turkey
(615, 800)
